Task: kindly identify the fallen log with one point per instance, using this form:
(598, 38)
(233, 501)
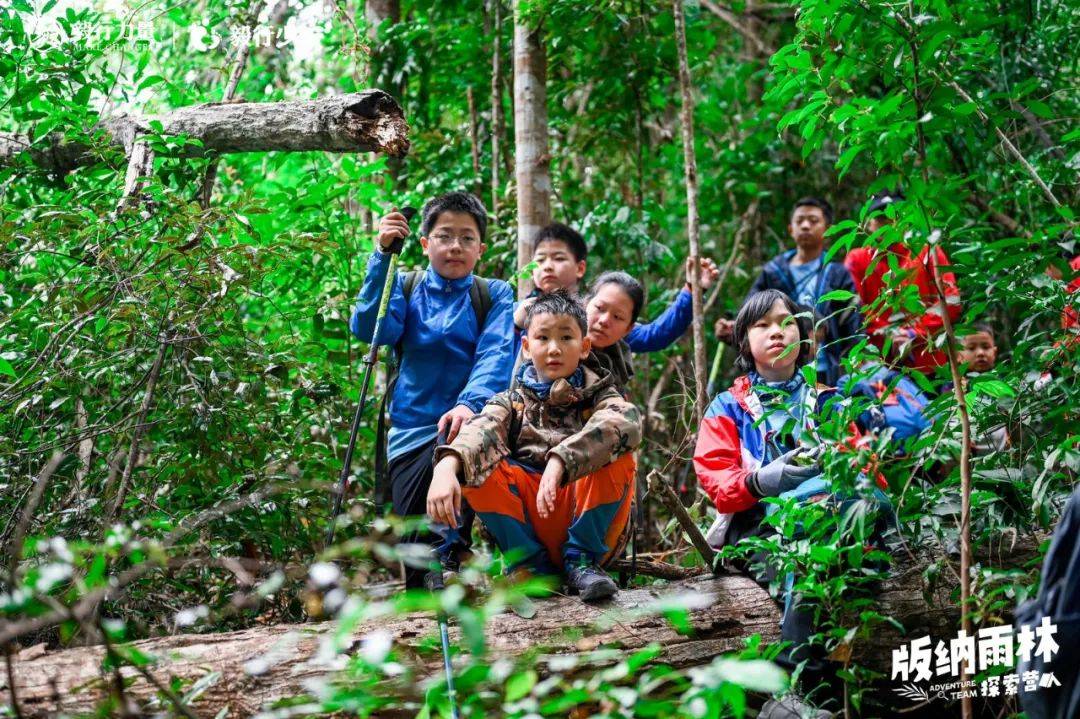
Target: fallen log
(368, 121)
(260, 665)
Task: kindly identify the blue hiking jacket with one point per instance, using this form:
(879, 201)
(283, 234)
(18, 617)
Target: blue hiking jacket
(843, 323)
(662, 332)
(446, 359)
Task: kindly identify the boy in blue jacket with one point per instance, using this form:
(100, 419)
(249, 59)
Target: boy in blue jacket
(803, 275)
(449, 365)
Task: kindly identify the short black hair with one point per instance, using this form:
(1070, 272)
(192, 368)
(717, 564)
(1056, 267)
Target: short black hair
(628, 284)
(757, 306)
(559, 232)
(558, 303)
(821, 204)
(465, 202)
(883, 199)
(982, 327)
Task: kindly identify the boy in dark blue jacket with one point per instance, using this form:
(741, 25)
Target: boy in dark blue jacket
(450, 365)
(804, 276)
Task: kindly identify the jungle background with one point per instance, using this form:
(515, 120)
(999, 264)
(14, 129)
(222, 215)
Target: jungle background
(176, 374)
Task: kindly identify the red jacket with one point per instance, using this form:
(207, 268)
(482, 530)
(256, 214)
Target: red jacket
(869, 267)
(1070, 320)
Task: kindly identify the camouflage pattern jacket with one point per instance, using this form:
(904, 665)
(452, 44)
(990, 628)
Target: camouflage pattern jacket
(587, 428)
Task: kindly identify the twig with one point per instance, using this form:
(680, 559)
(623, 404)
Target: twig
(15, 546)
(663, 491)
(496, 106)
(731, 19)
(11, 681)
(116, 585)
(474, 140)
(136, 433)
(658, 569)
(1009, 146)
(115, 656)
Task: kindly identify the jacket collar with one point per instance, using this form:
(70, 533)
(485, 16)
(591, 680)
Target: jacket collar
(783, 260)
(439, 283)
(742, 391)
(563, 393)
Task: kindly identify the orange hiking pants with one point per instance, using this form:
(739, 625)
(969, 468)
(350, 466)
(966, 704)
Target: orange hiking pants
(588, 525)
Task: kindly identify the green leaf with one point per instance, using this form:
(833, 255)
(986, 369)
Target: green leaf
(837, 295)
(519, 685)
(846, 158)
(992, 388)
(6, 368)
(151, 80)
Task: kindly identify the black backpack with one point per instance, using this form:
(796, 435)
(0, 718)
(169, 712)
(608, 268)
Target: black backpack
(480, 296)
(1059, 600)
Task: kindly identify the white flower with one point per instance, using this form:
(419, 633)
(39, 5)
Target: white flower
(376, 646)
(324, 574)
(191, 615)
(59, 547)
(51, 575)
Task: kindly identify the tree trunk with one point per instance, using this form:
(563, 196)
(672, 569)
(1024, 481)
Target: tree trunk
(376, 11)
(690, 165)
(530, 137)
(368, 121)
(261, 664)
(496, 104)
(474, 141)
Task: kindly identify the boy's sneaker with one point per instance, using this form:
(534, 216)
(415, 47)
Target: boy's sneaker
(792, 707)
(590, 583)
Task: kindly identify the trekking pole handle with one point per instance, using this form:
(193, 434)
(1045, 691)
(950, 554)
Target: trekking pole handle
(388, 283)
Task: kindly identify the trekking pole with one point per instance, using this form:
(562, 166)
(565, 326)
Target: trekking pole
(369, 362)
(451, 694)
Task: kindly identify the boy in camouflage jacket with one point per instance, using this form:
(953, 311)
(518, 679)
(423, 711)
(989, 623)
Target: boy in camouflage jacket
(548, 466)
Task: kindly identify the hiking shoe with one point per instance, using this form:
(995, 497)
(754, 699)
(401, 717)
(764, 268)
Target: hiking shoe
(792, 707)
(447, 573)
(590, 583)
(434, 581)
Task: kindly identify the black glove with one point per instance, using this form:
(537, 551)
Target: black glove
(781, 474)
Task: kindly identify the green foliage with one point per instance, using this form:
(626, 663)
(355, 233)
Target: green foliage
(244, 304)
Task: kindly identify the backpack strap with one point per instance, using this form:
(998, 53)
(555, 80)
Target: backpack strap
(480, 296)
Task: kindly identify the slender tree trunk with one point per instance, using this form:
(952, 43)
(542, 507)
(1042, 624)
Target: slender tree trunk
(496, 104)
(474, 139)
(242, 54)
(530, 137)
(690, 163)
(966, 707)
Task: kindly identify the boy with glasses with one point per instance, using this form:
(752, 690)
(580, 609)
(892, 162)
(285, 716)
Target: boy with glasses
(453, 356)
